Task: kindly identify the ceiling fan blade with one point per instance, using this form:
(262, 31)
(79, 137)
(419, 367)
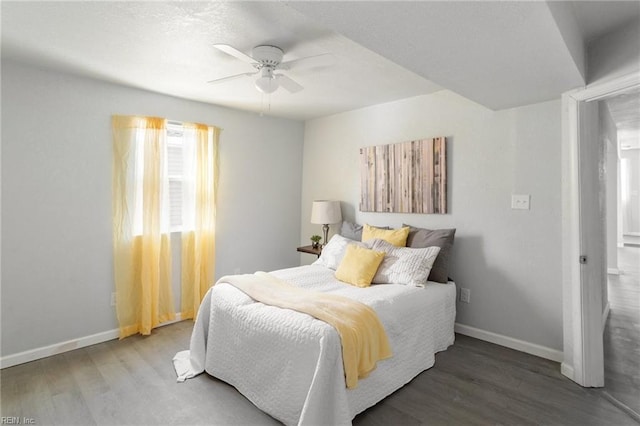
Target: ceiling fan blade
(288, 84)
(230, 50)
(232, 77)
(323, 60)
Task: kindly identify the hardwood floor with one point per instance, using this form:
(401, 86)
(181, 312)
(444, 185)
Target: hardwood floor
(622, 331)
(133, 382)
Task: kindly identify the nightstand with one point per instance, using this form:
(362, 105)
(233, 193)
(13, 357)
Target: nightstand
(310, 250)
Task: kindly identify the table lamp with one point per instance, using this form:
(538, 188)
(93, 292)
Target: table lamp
(324, 212)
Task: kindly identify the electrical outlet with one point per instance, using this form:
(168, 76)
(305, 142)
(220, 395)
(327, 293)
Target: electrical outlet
(113, 299)
(465, 295)
(520, 202)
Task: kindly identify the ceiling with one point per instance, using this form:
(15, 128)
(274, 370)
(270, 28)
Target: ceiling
(167, 48)
(499, 54)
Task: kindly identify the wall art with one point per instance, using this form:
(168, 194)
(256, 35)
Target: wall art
(408, 177)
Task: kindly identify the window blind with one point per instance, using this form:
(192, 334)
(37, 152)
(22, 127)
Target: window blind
(175, 173)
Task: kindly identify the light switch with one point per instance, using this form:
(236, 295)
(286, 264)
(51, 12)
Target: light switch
(520, 202)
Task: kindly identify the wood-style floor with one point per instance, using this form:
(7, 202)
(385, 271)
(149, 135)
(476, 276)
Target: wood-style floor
(133, 382)
(622, 331)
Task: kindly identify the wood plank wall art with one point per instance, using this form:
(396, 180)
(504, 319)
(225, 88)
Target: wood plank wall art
(408, 177)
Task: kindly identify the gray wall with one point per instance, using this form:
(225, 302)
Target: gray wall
(614, 55)
(56, 198)
(510, 259)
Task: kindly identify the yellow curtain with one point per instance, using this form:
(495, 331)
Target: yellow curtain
(199, 213)
(141, 239)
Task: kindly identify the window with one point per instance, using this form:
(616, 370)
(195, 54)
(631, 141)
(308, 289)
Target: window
(175, 173)
(164, 179)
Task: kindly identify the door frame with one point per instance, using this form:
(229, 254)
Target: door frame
(582, 315)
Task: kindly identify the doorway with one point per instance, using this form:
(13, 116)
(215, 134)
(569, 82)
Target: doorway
(620, 131)
(584, 234)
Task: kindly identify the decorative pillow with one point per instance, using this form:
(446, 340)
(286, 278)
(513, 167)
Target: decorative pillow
(353, 231)
(442, 238)
(397, 237)
(333, 252)
(359, 265)
(404, 265)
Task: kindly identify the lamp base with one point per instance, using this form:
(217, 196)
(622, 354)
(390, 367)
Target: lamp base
(325, 229)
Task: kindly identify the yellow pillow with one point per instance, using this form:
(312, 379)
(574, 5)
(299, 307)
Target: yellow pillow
(397, 237)
(359, 265)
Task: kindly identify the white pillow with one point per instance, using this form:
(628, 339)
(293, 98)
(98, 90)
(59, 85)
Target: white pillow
(404, 265)
(333, 252)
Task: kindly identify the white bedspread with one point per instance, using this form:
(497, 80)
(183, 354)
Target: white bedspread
(290, 364)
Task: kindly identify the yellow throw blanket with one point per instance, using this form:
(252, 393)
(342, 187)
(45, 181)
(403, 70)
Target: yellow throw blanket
(364, 341)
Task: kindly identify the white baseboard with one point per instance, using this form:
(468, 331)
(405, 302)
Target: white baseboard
(605, 315)
(613, 271)
(567, 371)
(69, 345)
(510, 342)
(57, 348)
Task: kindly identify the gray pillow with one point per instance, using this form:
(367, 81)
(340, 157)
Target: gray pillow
(353, 231)
(443, 238)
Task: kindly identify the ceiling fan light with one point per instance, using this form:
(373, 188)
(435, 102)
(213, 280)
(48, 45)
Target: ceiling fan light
(266, 84)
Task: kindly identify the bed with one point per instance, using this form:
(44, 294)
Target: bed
(290, 365)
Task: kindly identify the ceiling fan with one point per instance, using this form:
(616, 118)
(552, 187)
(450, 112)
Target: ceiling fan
(266, 60)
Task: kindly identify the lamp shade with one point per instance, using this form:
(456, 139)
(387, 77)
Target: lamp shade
(325, 212)
(266, 84)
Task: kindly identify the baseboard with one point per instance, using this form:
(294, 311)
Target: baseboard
(621, 405)
(57, 348)
(613, 271)
(69, 345)
(510, 342)
(605, 315)
(567, 371)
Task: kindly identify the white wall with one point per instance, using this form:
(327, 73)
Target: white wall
(614, 55)
(56, 188)
(631, 200)
(510, 259)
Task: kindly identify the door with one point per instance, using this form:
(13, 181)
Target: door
(592, 204)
